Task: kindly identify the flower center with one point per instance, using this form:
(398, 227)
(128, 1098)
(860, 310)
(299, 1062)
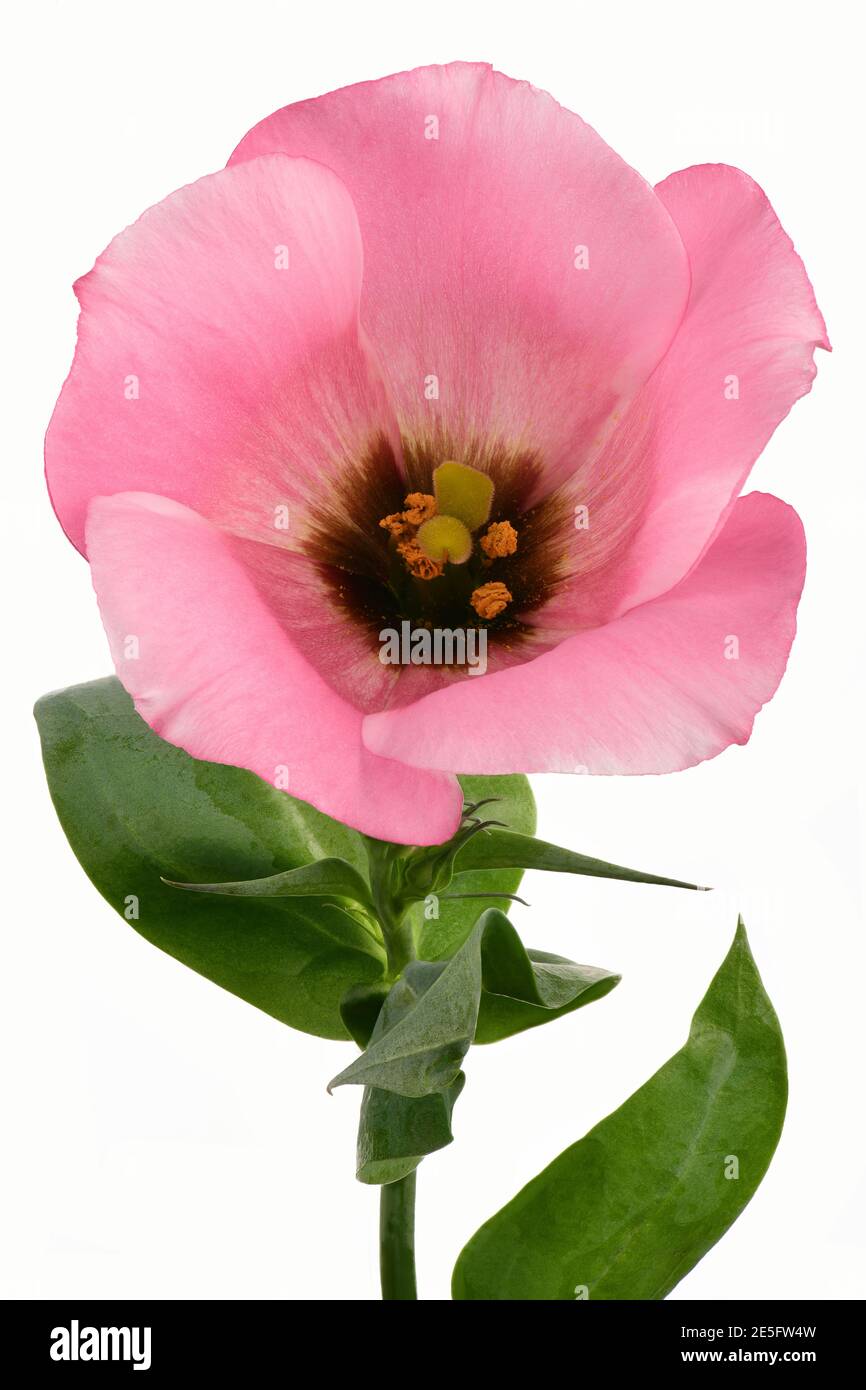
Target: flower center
(436, 531)
(499, 551)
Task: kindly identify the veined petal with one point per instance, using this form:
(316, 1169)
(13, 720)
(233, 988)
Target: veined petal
(219, 360)
(211, 670)
(743, 355)
(521, 281)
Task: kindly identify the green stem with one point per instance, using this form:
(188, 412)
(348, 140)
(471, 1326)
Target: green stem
(389, 905)
(397, 1239)
(399, 945)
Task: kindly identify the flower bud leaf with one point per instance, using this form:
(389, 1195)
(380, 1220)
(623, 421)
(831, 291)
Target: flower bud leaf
(488, 990)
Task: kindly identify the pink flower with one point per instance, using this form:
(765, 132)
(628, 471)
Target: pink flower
(443, 265)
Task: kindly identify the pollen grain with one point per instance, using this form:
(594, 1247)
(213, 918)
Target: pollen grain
(489, 600)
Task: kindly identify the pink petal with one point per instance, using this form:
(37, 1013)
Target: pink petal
(752, 315)
(469, 246)
(211, 670)
(654, 691)
(218, 358)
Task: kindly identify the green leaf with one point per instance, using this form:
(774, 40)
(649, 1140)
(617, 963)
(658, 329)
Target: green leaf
(502, 849)
(551, 987)
(360, 1008)
(440, 936)
(437, 1007)
(327, 878)
(395, 1132)
(627, 1211)
(490, 988)
(136, 809)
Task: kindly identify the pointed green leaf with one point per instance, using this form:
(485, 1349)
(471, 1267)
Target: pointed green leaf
(501, 849)
(553, 987)
(136, 809)
(327, 878)
(437, 1007)
(491, 987)
(627, 1211)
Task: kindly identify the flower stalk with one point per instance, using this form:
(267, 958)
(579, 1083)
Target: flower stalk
(397, 1240)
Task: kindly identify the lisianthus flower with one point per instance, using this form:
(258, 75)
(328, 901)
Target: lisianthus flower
(428, 352)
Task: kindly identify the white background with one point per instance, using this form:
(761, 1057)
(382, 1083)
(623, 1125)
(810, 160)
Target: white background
(163, 1139)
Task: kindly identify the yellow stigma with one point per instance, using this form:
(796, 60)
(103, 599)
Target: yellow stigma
(463, 492)
(445, 538)
(490, 599)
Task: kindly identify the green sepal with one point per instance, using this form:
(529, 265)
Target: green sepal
(442, 933)
(326, 878)
(505, 849)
